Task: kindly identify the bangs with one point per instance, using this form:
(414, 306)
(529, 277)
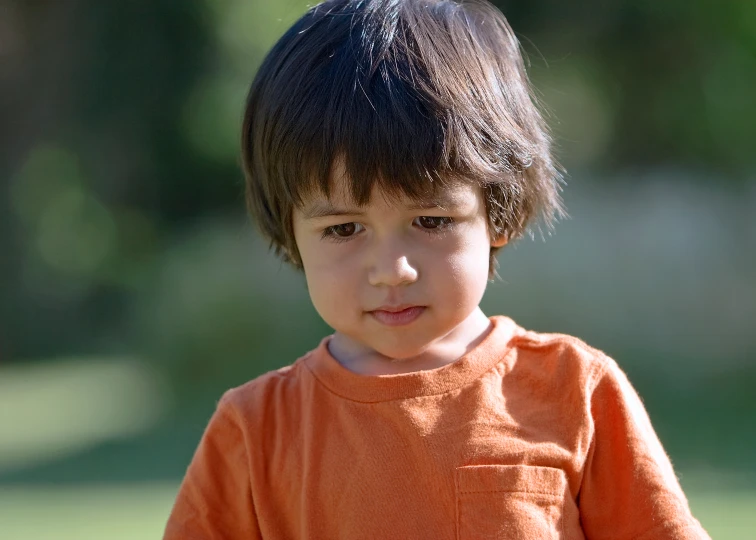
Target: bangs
(403, 93)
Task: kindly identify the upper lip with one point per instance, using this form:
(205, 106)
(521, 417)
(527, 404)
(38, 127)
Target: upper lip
(395, 308)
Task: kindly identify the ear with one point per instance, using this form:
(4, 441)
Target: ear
(501, 241)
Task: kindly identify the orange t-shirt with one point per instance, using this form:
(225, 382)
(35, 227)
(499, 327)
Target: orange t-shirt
(528, 436)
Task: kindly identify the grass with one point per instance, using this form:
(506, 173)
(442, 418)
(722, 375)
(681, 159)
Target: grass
(85, 512)
(139, 511)
(726, 516)
(84, 418)
(52, 410)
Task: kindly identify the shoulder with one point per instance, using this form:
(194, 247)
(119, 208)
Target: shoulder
(258, 398)
(560, 356)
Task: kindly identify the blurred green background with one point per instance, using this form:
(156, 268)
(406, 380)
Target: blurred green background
(134, 289)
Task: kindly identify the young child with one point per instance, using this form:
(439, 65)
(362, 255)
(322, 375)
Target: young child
(391, 147)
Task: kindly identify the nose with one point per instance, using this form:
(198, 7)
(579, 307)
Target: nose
(392, 271)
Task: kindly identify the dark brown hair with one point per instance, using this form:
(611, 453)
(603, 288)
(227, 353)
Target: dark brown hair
(411, 94)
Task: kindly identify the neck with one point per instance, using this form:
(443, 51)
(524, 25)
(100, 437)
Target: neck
(363, 360)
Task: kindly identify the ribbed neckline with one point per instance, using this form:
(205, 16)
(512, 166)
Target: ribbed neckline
(375, 388)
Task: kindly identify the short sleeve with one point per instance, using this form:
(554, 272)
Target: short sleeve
(214, 501)
(629, 488)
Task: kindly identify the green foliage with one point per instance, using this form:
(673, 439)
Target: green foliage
(219, 312)
(141, 104)
(123, 228)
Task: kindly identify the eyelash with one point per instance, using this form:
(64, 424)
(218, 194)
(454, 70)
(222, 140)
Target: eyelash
(329, 233)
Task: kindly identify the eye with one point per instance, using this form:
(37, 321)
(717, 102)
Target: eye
(342, 231)
(433, 222)
(345, 229)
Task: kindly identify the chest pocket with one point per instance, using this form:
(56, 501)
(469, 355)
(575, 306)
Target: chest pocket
(510, 502)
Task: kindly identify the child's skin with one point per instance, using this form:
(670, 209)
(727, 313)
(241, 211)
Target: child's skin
(399, 281)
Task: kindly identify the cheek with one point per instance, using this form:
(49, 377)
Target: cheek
(330, 284)
(467, 266)
(472, 245)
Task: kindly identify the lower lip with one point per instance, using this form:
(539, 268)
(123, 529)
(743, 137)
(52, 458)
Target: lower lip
(398, 318)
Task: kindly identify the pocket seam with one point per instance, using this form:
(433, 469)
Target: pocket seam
(511, 482)
(514, 491)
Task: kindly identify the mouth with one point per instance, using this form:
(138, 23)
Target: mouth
(397, 315)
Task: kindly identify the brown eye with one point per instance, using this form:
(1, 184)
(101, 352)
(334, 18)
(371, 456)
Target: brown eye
(342, 232)
(432, 222)
(345, 229)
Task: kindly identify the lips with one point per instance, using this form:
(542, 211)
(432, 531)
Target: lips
(397, 315)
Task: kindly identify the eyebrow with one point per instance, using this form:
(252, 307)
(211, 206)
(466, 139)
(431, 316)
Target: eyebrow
(444, 203)
(323, 209)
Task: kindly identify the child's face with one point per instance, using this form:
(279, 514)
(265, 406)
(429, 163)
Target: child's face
(363, 263)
